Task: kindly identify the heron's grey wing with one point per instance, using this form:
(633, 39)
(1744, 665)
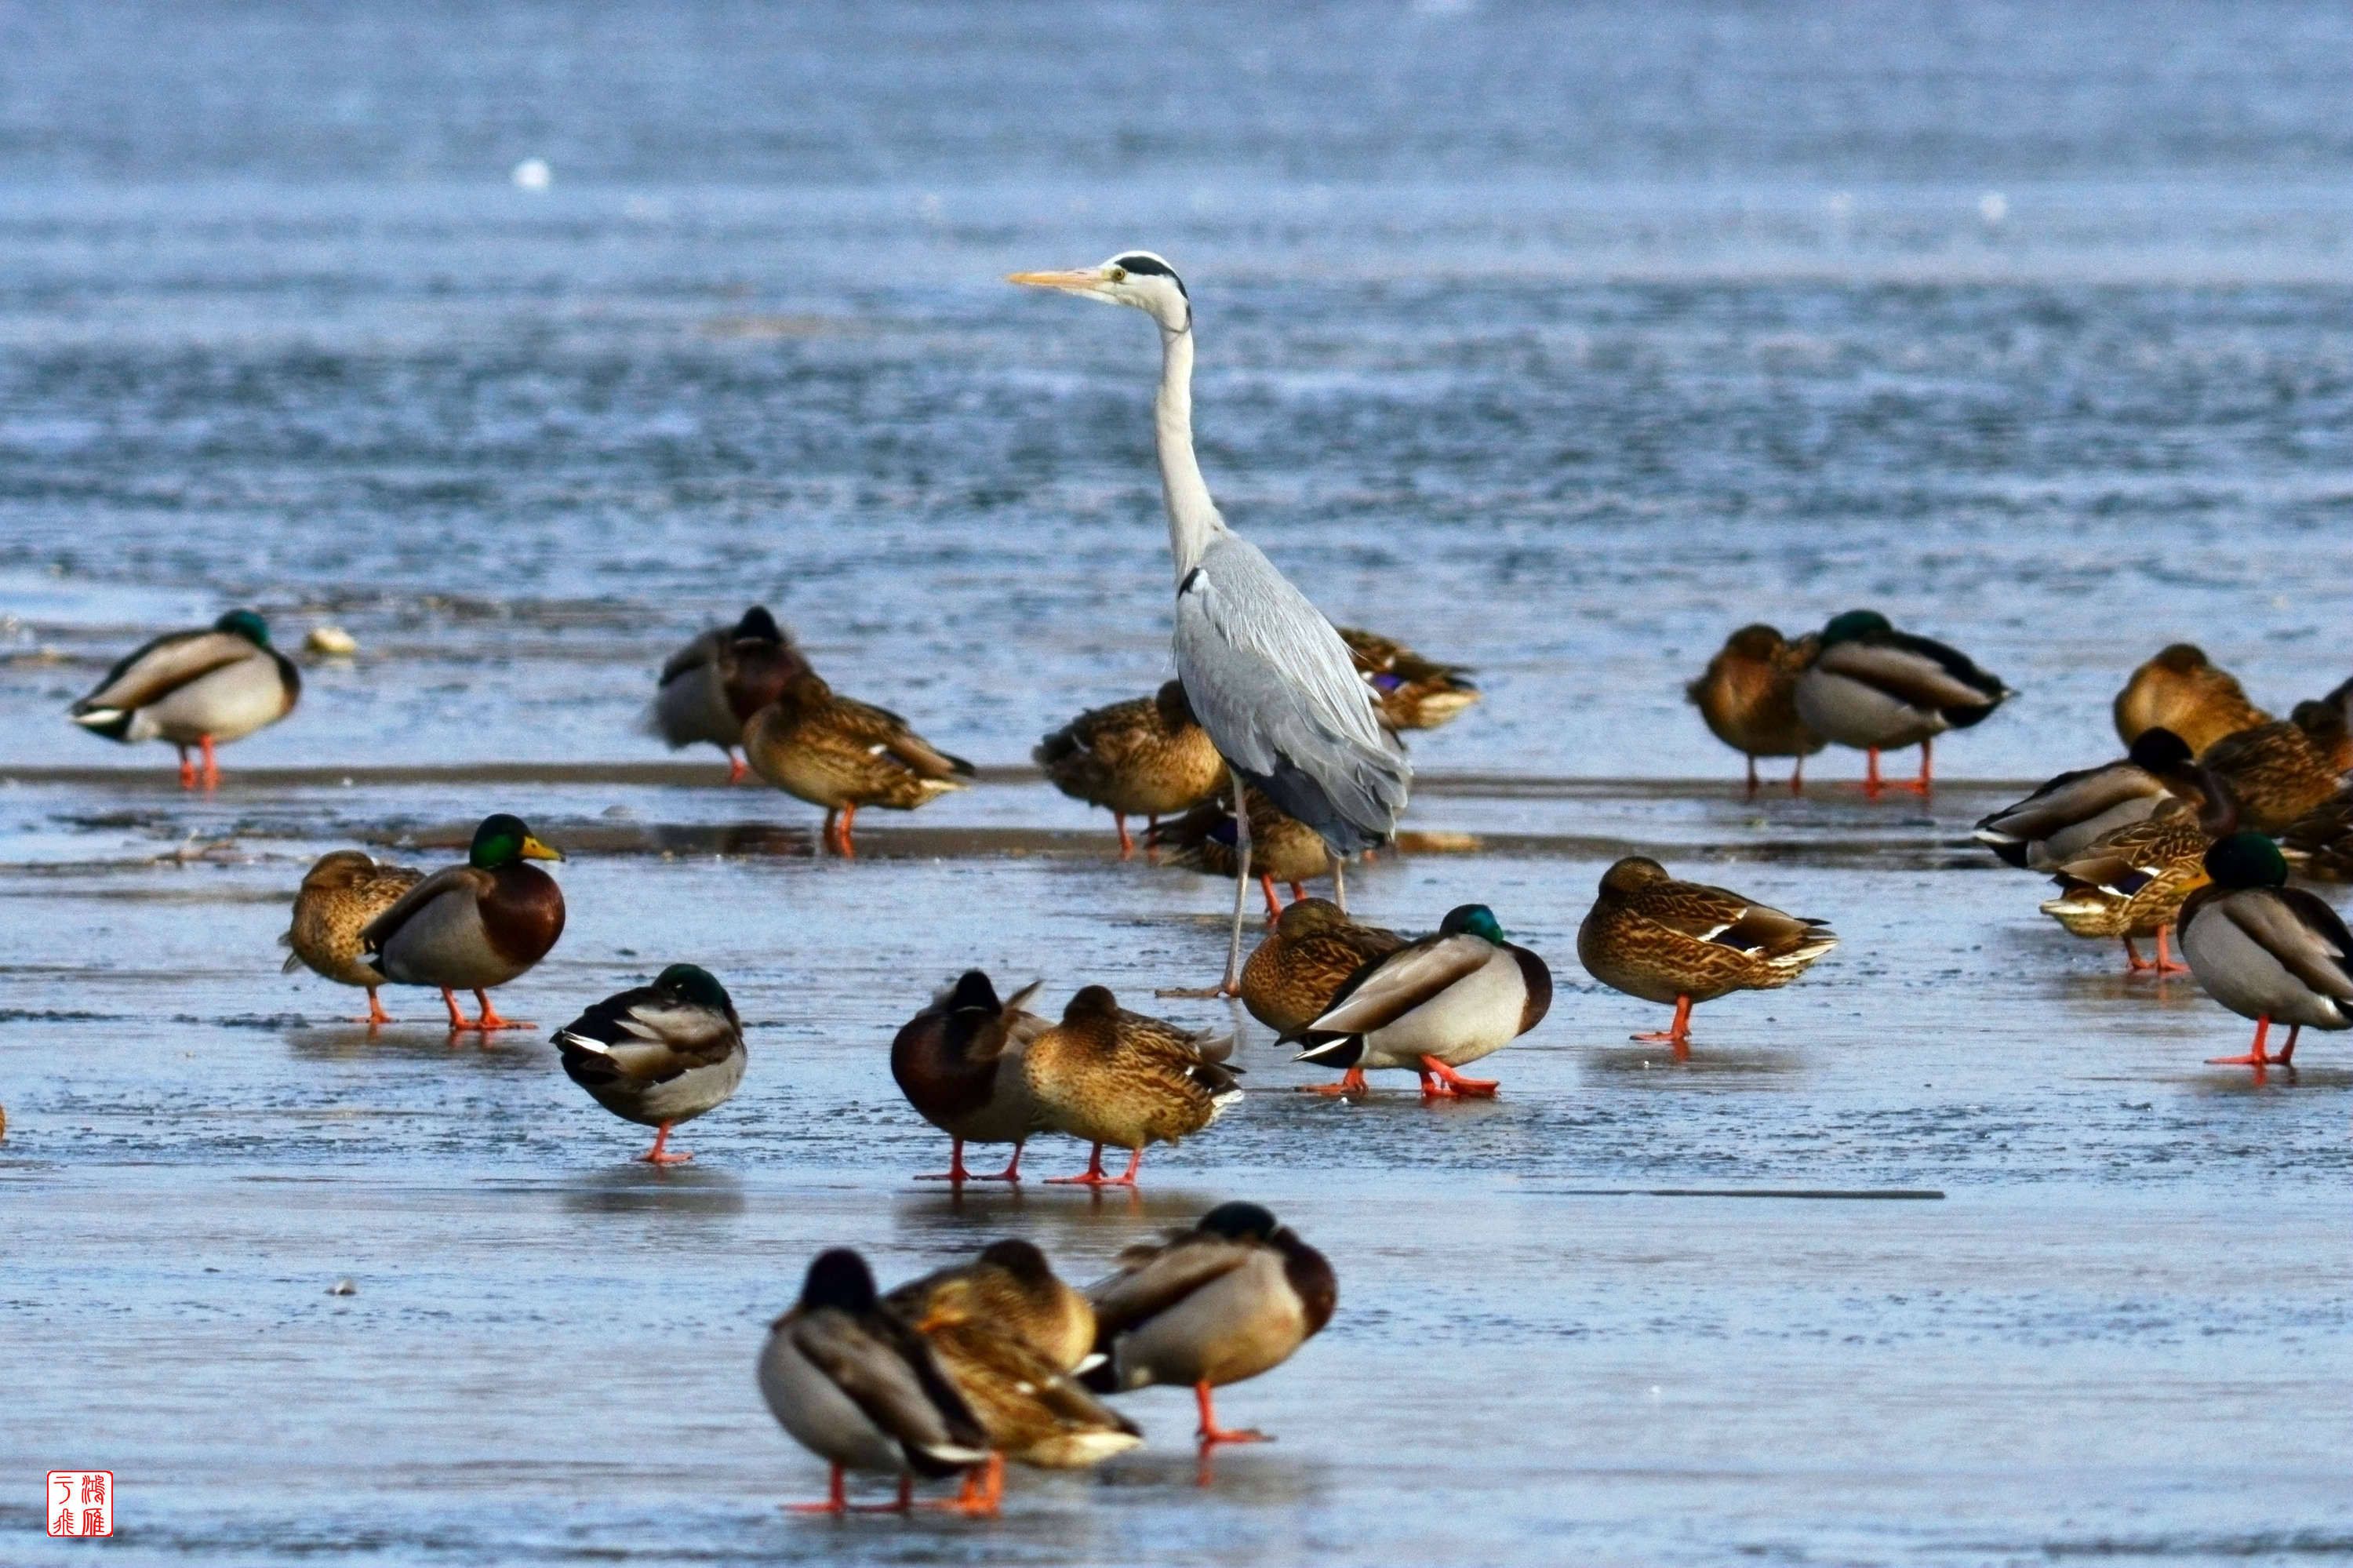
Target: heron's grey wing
(1276, 689)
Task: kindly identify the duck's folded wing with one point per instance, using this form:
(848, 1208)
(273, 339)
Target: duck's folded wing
(156, 671)
(693, 656)
(2303, 933)
(895, 1383)
(1902, 673)
(2069, 798)
(1160, 1278)
(1397, 984)
(380, 930)
(882, 730)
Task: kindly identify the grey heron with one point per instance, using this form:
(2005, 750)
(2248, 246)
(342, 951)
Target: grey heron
(1266, 674)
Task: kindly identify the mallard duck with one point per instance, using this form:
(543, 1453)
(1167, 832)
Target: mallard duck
(842, 754)
(1431, 1006)
(341, 892)
(1877, 689)
(2179, 691)
(659, 1054)
(1312, 952)
(1147, 758)
(2066, 816)
(472, 926)
(2320, 843)
(857, 1387)
(1219, 1304)
(711, 686)
(2280, 770)
(1410, 692)
(1009, 1334)
(1748, 696)
(2132, 882)
(1283, 848)
(1108, 1075)
(959, 1063)
(199, 688)
(1684, 942)
(2265, 950)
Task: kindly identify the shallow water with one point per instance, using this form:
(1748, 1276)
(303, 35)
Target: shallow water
(1557, 341)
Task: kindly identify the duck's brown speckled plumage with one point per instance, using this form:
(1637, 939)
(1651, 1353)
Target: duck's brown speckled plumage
(2133, 881)
(839, 753)
(2278, 771)
(2179, 690)
(1660, 940)
(340, 893)
(1747, 694)
(2319, 844)
(1145, 757)
(1120, 1078)
(1411, 692)
(1312, 950)
(1282, 847)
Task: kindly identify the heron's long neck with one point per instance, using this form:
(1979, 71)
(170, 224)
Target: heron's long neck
(1193, 519)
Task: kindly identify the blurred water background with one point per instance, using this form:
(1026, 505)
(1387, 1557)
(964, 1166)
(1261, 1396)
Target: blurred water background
(1555, 339)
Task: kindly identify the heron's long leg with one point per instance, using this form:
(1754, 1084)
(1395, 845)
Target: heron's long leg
(1232, 984)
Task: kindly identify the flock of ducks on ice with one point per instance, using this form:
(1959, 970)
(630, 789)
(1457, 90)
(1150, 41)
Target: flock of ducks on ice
(2187, 836)
(997, 1357)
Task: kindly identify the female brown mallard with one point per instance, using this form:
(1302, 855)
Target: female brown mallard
(1283, 848)
(959, 1062)
(1108, 1075)
(715, 684)
(1748, 696)
(1009, 1334)
(1147, 758)
(1231, 1299)
(842, 753)
(472, 926)
(2278, 771)
(207, 686)
(2179, 689)
(340, 893)
(1410, 690)
(2133, 881)
(1312, 950)
(1684, 942)
(2320, 843)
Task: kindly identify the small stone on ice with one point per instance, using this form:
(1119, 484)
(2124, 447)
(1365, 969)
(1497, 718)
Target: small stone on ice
(332, 640)
(342, 1288)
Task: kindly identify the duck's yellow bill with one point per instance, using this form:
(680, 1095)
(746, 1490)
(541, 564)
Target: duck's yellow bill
(533, 850)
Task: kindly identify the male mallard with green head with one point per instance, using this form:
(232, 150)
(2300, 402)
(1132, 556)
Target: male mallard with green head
(1685, 942)
(340, 893)
(472, 926)
(1409, 690)
(200, 688)
(1232, 1298)
(842, 753)
(1146, 758)
(1877, 689)
(2064, 818)
(2265, 950)
(2278, 771)
(856, 1385)
(1009, 1334)
(1312, 952)
(2179, 689)
(659, 1054)
(1430, 1006)
(716, 682)
(959, 1063)
(1748, 696)
(1111, 1076)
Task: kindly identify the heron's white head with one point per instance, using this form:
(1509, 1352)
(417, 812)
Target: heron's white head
(1135, 278)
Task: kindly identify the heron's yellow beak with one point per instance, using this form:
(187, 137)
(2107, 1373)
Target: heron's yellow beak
(533, 850)
(1079, 280)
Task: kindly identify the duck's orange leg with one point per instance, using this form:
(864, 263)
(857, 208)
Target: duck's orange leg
(1210, 1433)
(2286, 1058)
(1092, 1176)
(2254, 1056)
(1012, 1171)
(2133, 961)
(1798, 777)
(1152, 839)
(1752, 778)
(734, 767)
(837, 1499)
(1450, 1083)
(491, 1020)
(458, 1023)
(1351, 1082)
(376, 1012)
(655, 1156)
(1871, 784)
(2167, 966)
(832, 839)
(1677, 1033)
(955, 1172)
(1298, 891)
(1127, 844)
(848, 820)
(187, 770)
(983, 1489)
(1926, 783)
(212, 767)
(1274, 905)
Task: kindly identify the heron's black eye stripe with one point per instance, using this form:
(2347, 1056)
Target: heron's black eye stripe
(1153, 268)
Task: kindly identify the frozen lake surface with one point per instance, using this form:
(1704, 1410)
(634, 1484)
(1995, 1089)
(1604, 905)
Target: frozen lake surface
(1557, 340)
